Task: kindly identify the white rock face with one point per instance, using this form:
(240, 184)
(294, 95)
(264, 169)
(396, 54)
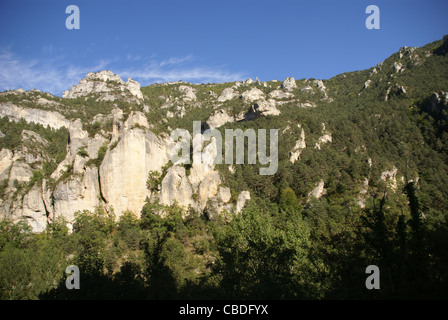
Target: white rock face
(208, 188)
(319, 191)
(262, 108)
(15, 168)
(33, 209)
(176, 189)
(104, 83)
(307, 89)
(46, 118)
(6, 160)
(76, 194)
(289, 84)
(134, 88)
(398, 67)
(300, 145)
(189, 93)
(203, 178)
(125, 169)
(219, 118)
(320, 85)
(21, 172)
(224, 194)
(253, 94)
(367, 84)
(280, 94)
(323, 139)
(46, 102)
(242, 198)
(227, 94)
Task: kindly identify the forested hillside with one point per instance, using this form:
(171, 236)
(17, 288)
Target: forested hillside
(362, 180)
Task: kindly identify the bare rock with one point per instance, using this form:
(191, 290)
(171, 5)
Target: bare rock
(218, 119)
(242, 198)
(299, 146)
(280, 94)
(262, 108)
(175, 188)
(52, 119)
(253, 94)
(227, 94)
(289, 84)
(106, 84)
(318, 191)
(189, 93)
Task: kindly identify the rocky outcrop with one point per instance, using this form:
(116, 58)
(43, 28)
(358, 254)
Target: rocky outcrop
(325, 138)
(188, 92)
(438, 104)
(289, 84)
(23, 201)
(52, 119)
(218, 119)
(227, 94)
(367, 84)
(242, 198)
(320, 85)
(33, 209)
(318, 191)
(398, 67)
(253, 94)
(77, 193)
(134, 88)
(199, 189)
(176, 189)
(107, 85)
(294, 155)
(6, 160)
(395, 90)
(125, 167)
(307, 89)
(262, 108)
(280, 94)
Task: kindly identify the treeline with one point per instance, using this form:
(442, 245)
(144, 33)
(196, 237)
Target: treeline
(270, 251)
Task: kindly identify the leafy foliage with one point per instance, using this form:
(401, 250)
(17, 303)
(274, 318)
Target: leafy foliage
(285, 244)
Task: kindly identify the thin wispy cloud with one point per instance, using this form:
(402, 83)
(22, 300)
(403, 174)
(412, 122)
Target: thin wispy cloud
(56, 75)
(196, 74)
(176, 60)
(49, 75)
(27, 74)
(133, 57)
(180, 68)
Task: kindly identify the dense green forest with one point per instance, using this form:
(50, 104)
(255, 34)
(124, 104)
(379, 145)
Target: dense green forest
(284, 244)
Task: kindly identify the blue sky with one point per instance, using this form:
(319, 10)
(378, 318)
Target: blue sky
(204, 40)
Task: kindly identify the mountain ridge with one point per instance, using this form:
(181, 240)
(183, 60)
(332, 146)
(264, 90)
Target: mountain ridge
(104, 112)
(90, 181)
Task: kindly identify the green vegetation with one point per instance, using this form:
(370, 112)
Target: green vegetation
(269, 251)
(99, 159)
(284, 244)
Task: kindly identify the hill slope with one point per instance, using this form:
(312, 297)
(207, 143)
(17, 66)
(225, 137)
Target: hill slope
(362, 170)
